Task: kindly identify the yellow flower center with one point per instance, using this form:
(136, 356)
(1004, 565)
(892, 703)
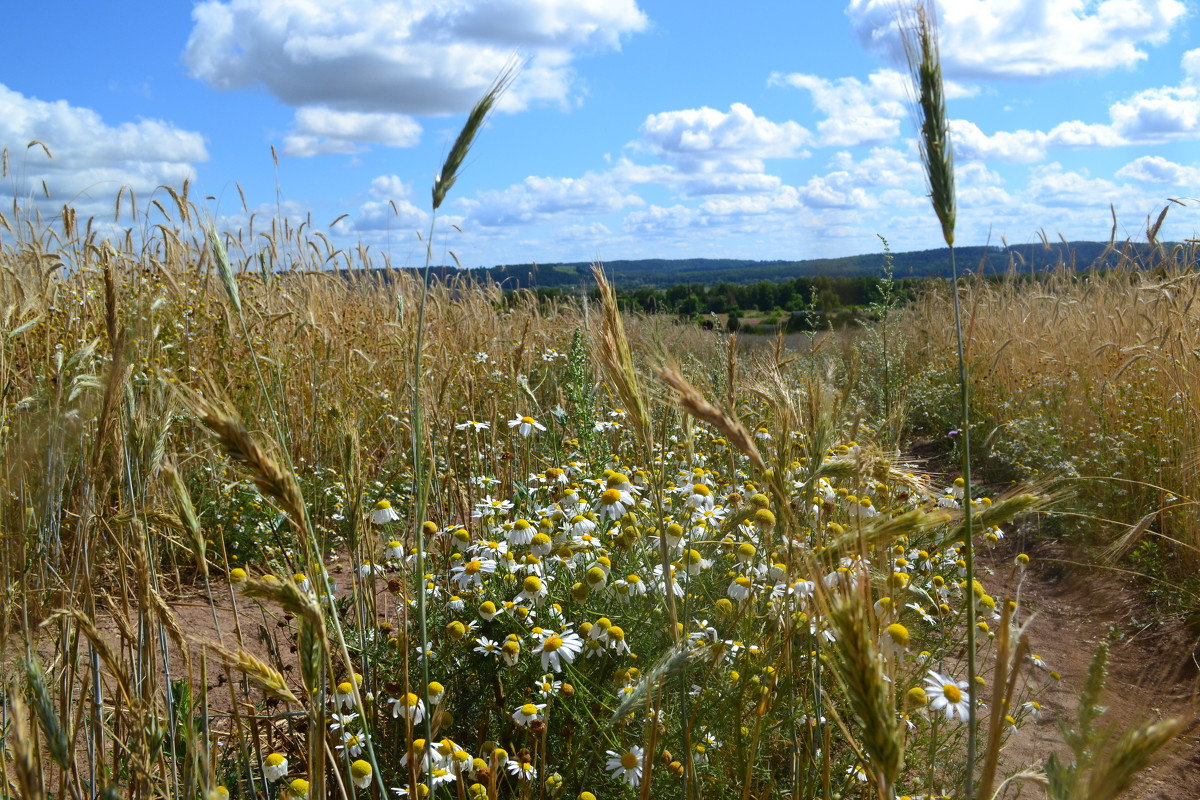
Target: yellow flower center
(952, 693)
(529, 710)
(528, 420)
(610, 496)
(532, 584)
(899, 633)
(701, 490)
(552, 644)
(473, 566)
(360, 769)
(629, 760)
(616, 633)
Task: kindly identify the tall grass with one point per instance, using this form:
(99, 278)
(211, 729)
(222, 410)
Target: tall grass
(273, 529)
(1089, 375)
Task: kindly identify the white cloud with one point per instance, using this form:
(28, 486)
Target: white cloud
(691, 137)
(90, 157)
(1025, 146)
(786, 199)
(1156, 169)
(657, 220)
(378, 215)
(855, 112)
(320, 130)
(705, 178)
(972, 144)
(1159, 115)
(537, 199)
(390, 187)
(417, 57)
(830, 191)
(1031, 38)
(1049, 185)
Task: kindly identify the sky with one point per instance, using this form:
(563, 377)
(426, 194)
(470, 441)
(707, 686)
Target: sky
(769, 129)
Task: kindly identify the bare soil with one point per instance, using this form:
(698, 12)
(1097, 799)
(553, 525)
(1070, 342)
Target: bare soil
(1152, 672)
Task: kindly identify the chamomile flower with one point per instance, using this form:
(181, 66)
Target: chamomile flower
(894, 640)
(528, 713)
(473, 426)
(701, 497)
(947, 695)
(275, 766)
(741, 588)
(343, 695)
(626, 766)
(548, 686)
(510, 651)
(521, 768)
(469, 574)
(298, 788)
(353, 744)
(526, 425)
(409, 706)
(557, 648)
(533, 589)
(383, 513)
(614, 503)
(360, 773)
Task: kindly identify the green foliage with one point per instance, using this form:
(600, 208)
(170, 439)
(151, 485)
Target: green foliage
(579, 386)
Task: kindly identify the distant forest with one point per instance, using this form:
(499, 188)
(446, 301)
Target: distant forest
(793, 294)
(661, 273)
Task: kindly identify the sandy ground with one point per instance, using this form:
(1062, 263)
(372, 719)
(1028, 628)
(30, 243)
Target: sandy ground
(1153, 667)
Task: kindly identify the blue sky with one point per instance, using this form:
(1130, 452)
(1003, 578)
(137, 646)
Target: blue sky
(638, 128)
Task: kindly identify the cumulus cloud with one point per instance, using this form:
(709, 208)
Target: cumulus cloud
(1025, 146)
(1159, 115)
(659, 219)
(704, 178)
(1156, 169)
(1051, 185)
(320, 130)
(90, 157)
(403, 58)
(537, 199)
(1031, 38)
(692, 137)
(856, 112)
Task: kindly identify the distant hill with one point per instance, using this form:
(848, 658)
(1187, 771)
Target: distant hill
(660, 272)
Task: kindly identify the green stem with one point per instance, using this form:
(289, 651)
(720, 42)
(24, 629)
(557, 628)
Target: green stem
(969, 554)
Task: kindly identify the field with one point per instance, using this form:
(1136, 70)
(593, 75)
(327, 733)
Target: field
(270, 531)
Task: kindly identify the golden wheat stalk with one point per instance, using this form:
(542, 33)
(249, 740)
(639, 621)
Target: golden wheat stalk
(694, 403)
(260, 673)
(22, 748)
(858, 665)
(189, 521)
(616, 358)
(273, 481)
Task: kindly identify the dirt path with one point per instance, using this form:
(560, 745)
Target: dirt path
(1152, 674)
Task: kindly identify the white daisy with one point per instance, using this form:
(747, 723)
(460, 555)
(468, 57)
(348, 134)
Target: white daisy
(383, 513)
(559, 647)
(626, 766)
(526, 425)
(946, 694)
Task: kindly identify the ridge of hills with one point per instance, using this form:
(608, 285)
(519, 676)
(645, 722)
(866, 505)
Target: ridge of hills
(661, 272)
